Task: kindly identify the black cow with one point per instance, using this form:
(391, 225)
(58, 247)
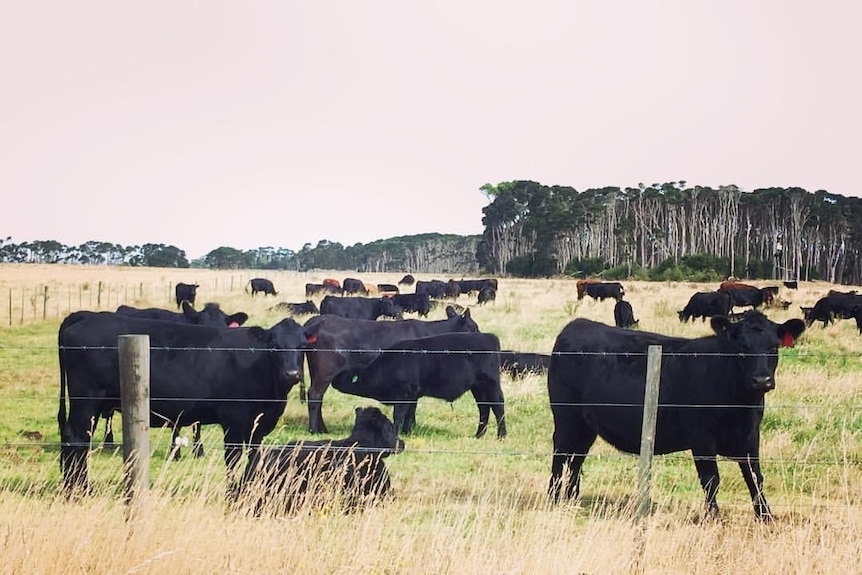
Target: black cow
(518, 363)
(186, 292)
(711, 396)
(315, 289)
(211, 315)
(835, 305)
(314, 473)
(791, 284)
(605, 290)
(624, 316)
(413, 302)
(432, 288)
(337, 337)
(352, 286)
(407, 280)
(307, 307)
(470, 286)
(261, 285)
(238, 378)
(444, 366)
(705, 304)
(742, 295)
(486, 294)
(359, 307)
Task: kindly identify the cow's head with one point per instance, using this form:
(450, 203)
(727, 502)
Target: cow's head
(757, 340)
(286, 341)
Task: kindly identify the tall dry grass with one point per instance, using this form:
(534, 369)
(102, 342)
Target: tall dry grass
(460, 505)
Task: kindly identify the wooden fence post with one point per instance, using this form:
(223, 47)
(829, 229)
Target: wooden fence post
(134, 352)
(653, 378)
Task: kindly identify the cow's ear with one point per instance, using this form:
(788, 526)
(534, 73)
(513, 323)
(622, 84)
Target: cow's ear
(790, 331)
(450, 311)
(310, 333)
(237, 318)
(720, 324)
(466, 313)
(258, 333)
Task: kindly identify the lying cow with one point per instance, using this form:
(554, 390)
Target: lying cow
(519, 363)
(315, 472)
(307, 307)
(711, 396)
(444, 366)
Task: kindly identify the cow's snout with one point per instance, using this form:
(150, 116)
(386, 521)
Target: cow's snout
(292, 375)
(764, 382)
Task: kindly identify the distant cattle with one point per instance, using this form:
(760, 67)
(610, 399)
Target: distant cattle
(605, 290)
(241, 382)
(624, 316)
(486, 294)
(261, 285)
(333, 283)
(432, 288)
(316, 289)
(743, 295)
(307, 307)
(453, 289)
(705, 304)
(353, 343)
(444, 366)
(791, 284)
(413, 302)
(211, 315)
(581, 286)
(835, 305)
(352, 286)
(519, 363)
(185, 292)
(359, 307)
(317, 473)
(471, 286)
(387, 289)
(711, 396)
(407, 280)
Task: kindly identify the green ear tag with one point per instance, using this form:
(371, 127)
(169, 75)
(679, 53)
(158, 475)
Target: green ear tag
(354, 379)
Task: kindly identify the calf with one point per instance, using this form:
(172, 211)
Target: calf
(624, 316)
(307, 307)
(486, 294)
(261, 285)
(185, 292)
(711, 396)
(519, 364)
(314, 472)
(444, 366)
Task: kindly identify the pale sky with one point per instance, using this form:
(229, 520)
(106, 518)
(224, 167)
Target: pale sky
(277, 123)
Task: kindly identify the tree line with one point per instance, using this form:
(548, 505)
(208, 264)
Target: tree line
(776, 233)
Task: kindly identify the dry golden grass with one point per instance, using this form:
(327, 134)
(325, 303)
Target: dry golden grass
(461, 505)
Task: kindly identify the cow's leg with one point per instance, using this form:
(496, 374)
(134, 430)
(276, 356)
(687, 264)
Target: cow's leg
(707, 472)
(198, 449)
(483, 403)
(109, 427)
(497, 404)
(404, 416)
(76, 438)
(572, 440)
(233, 444)
(175, 445)
(315, 404)
(750, 468)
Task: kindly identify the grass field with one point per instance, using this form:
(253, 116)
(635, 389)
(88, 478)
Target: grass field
(461, 505)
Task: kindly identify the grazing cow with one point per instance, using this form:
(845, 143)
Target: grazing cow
(835, 305)
(432, 288)
(407, 280)
(444, 366)
(387, 289)
(711, 396)
(307, 307)
(791, 284)
(332, 283)
(338, 336)
(770, 295)
(359, 307)
(486, 294)
(186, 292)
(314, 473)
(238, 378)
(705, 304)
(261, 285)
(211, 315)
(604, 290)
(413, 302)
(470, 286)
(315, 289)
(624, 316)
(581, 286)
(519, 364)
(742, 295)
(352, 286)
